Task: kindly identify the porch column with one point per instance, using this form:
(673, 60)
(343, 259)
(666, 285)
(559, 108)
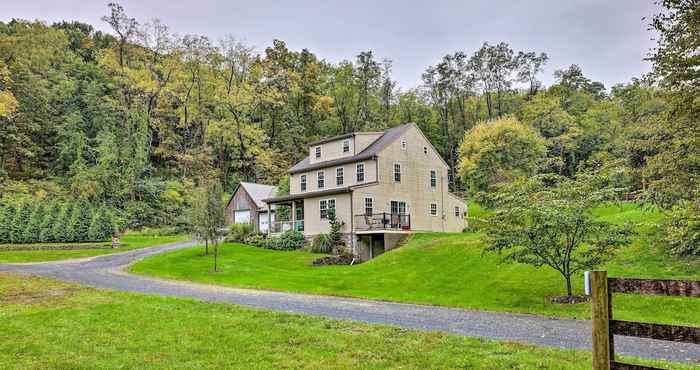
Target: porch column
(269, 219)
(294, 215)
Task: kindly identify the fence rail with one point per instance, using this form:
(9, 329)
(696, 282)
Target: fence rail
(383, 221)
(605, 328)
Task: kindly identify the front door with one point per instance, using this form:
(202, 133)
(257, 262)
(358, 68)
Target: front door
(398, 212)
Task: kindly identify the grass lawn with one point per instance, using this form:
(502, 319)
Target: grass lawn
(129, 241)
(50, 324)
(442, 269)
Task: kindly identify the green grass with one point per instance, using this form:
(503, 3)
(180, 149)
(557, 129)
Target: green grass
(129, 241)
(442, 269)
(49, 324)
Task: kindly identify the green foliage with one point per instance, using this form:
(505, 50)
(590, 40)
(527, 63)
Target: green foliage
(548, 220)
(681, 230)
(7, 217)
(322, 243)
(500, 151)
(239, 232)
(256, 239)
(208, 216)
(102, 226)
(289, 240)
(33, 230)
(20, 223)
(80, 221)
(61, 230)
(335, 236)
(50, 218)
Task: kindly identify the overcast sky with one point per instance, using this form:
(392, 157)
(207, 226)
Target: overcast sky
(607, 38)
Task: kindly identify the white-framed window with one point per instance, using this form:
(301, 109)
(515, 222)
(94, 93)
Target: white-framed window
(433, 209)
(398, 207)
(346, 146)
(318, 152)
(320, 179)
(397, 172)
(404, 145)
(323, 208)
(457, 212)
(360, 172)
(302, 182)
(369, 206)
(324, 205)
(339, 176)
(433, 179)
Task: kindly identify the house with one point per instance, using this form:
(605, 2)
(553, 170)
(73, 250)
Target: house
(382, 185)
(246, 205)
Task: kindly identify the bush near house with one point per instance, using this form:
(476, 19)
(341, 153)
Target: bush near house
(289, 240)
(239, 232)
(322, 243)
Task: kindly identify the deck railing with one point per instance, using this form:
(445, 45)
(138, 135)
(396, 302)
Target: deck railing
(383, 221)
(282, 226)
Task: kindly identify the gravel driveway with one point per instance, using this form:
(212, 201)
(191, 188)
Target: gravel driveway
(107, 271)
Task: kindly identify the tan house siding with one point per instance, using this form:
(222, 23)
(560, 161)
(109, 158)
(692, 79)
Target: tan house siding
(364, 139)
(313, 224)
(349, 177)
(331, 150)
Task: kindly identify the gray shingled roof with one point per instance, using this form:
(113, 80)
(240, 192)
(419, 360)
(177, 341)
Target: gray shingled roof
(259, 192)
(371, 151)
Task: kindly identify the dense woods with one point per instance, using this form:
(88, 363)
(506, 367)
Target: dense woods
(133, 119)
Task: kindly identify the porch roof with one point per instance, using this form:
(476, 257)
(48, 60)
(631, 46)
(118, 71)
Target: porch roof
(291, 197)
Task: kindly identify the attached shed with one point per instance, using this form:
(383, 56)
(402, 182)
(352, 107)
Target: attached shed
(246, 205)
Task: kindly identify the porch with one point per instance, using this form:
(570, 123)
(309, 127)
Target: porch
(289, 216)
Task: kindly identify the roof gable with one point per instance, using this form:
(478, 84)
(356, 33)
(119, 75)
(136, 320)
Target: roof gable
(256, 192)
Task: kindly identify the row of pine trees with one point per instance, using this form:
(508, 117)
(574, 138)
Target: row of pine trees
(60, 222)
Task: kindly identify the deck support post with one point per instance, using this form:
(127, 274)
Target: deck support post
(269, 219)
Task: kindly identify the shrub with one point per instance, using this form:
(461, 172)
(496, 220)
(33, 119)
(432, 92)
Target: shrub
(31, 232)
(20, 223)
(322, 243)
(7, 216)
(239, 232)
(681, 231)
(61, 228)
(80, 222)
(102, 226)
(50, 218)
(160, 231)
(289, 241)
(256, 240)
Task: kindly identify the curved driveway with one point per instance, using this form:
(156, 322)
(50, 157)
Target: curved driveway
(107, 271)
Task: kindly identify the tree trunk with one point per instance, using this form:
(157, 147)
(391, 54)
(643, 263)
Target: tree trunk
(206, 247)
(568, 286)
(216, 254)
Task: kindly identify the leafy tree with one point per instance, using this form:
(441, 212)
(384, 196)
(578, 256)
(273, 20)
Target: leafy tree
(681, 230)
(80, 222)
(102, 226)
(61, 230)
(548, 220)
(20, 223)
(208, 217)
(50, 219)
(33, 230)
(501, 151)
(7, 216)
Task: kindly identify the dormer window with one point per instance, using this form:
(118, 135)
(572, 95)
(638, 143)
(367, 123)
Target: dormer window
(404, 145)
(318, 152)
(346, 146)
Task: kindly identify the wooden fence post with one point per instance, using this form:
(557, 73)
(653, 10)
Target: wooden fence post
(600, 316)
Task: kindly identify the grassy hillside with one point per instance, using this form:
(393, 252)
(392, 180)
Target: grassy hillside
(52, 325)
(443, 269)
(129, 241)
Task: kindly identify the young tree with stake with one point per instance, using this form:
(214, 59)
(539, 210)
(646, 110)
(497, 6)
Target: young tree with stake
(207, 216)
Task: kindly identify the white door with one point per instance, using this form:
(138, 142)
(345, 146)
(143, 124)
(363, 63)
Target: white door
(241, 217)
(263, 225)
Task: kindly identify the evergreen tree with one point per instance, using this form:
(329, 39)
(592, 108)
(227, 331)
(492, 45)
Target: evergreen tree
(50, 218)
(80, 222)
(102, 227)
(60, 230)
(20, 223)
(335, 235)
(7, 216)
(31, 232)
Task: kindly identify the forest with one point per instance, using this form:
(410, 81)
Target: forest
(133, 119)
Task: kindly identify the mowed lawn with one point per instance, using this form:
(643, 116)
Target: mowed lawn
(50, 324)
(129, 241)
(443, 269)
